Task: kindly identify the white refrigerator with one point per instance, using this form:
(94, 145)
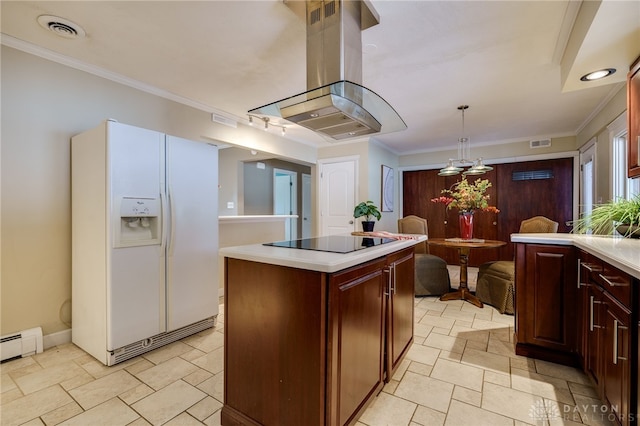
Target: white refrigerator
(144, 240)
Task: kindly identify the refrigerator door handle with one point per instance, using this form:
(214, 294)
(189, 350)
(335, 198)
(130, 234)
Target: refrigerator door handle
(163, 213)
(172, 217)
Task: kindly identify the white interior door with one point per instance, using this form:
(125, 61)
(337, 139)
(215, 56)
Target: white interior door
(337, 196)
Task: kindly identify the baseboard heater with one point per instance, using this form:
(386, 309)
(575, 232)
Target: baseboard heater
(21, 344)
(134, 349)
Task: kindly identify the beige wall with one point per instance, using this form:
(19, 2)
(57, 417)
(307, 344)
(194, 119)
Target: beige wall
(379, 155)
(499, 153)
(597, 129)
(43, 105)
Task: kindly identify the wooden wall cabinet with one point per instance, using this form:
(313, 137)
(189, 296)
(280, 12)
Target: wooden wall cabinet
(312, 348)
(633, 118)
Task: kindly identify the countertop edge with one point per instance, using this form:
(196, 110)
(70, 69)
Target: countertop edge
(314, 260)
(255, 218)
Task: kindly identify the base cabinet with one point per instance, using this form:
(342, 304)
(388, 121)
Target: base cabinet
(606, 348)
(590, 320)
(311, 348)
(545, 302)
(616, 360)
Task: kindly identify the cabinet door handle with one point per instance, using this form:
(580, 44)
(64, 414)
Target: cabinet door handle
(616, 326)
(579, 273)
(592, 302)
(387, 290)
(611, 283)
(395, 283)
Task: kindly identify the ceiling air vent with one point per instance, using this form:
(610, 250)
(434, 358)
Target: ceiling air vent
(61, 27)
(541, 143)
(216, 118)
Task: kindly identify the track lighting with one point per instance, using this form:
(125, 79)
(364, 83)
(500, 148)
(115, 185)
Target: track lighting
(267, 123)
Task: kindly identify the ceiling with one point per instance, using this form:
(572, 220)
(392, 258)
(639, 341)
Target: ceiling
(517, 64)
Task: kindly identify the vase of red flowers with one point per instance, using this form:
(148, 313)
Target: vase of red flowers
(467, 198)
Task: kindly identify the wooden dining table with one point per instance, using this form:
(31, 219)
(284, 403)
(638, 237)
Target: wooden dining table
(464, 247)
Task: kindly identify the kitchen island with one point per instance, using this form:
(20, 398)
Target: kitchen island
(312, 336)
(578, 303)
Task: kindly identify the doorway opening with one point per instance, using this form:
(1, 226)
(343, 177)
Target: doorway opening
(285, 199)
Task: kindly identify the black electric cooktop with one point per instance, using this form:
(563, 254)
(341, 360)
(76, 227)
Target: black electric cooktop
(332, 243)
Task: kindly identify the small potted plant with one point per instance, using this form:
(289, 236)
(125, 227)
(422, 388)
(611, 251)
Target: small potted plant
(369, 211)
(622, 214)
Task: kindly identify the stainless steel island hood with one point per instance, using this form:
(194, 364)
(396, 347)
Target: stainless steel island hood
(336, 104)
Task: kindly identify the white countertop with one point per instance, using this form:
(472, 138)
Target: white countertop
(623, 253)
(314, 260)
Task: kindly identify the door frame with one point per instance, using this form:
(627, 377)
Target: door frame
(306, 225)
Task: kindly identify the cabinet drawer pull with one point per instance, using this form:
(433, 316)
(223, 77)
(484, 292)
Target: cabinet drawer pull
(616, 327)
(591, 267)
(611, 283)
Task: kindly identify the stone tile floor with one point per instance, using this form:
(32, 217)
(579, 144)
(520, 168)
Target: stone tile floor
(461, 370)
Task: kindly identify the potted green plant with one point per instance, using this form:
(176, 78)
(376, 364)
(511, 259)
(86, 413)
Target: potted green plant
(369, 211)
(622, 215)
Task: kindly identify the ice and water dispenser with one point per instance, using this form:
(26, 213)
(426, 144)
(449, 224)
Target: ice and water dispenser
(140, 222)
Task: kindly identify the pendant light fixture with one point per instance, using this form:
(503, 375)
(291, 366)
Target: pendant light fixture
(455, 166)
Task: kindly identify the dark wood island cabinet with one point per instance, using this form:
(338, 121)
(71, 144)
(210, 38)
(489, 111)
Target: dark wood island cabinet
(307, 347)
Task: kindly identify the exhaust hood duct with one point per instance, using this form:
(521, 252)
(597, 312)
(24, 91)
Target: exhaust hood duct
(336, 104)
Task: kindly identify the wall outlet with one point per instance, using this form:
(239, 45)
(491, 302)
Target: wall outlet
(229, 204)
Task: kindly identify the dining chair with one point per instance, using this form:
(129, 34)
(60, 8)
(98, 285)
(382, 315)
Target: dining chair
(495, 283)
(431, 273)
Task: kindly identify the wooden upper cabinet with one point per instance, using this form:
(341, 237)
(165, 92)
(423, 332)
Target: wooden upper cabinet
(633, 117)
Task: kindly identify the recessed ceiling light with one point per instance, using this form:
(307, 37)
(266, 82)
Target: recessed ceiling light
(60, 26)
(597, 75)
